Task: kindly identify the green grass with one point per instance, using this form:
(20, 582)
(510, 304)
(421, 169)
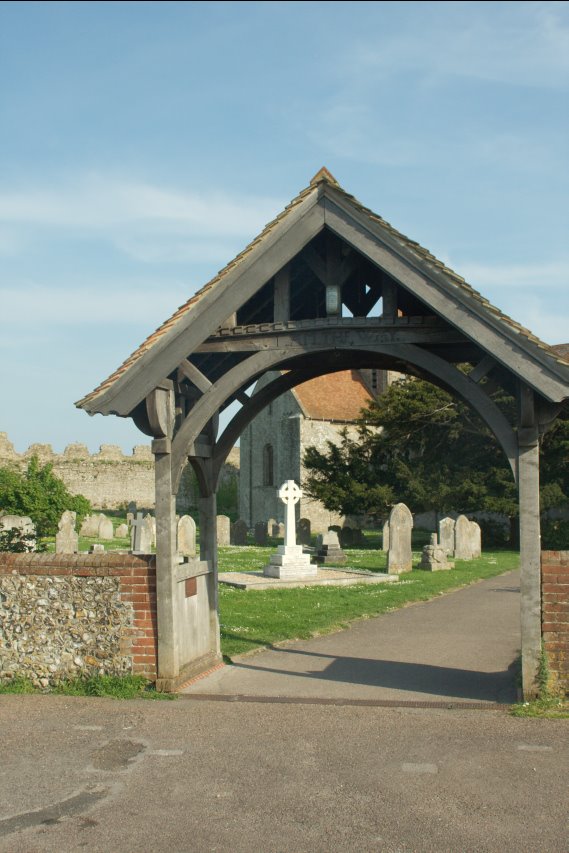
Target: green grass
(552, 708)
(256, 618)
(111, 686)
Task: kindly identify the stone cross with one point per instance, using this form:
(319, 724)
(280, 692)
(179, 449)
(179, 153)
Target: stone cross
(290, 494)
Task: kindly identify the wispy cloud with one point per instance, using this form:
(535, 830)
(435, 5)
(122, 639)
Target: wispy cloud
(38, 306)
(550, 275)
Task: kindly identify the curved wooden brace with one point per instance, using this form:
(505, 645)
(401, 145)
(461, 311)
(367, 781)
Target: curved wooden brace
(434, 367)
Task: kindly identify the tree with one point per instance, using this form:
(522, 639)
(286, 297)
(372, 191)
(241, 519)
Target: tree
(39, 494)
(419, 445)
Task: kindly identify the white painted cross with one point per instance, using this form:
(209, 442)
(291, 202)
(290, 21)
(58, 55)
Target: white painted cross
(290, 494)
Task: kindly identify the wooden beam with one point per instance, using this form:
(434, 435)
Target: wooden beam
(196, 377)
(316, 263)
(282, 295)
(482, 369)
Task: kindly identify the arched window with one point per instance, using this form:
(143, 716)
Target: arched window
(268, 473)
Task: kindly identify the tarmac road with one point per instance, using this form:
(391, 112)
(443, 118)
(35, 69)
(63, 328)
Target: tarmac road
(288, 759)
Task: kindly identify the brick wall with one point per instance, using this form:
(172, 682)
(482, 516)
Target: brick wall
(66, 615)
(555, 615)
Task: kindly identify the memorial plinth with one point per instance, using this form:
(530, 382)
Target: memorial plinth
(290, 562)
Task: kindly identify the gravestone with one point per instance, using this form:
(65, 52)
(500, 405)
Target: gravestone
(90, 526)
(290, 562)
(97, 548)
(434, 557)
(223, 530)
(130, 516)
(329, 550)
(187, 536)
(270, 526)
(122, 531)
(358, 537)
(446, 535)
(400, 556)
(105, 529)
(346, 536)
(475, 539)
(239, 532)
(67, 539)
(462, 539)
(280, 531)
(146, 535)
(136, 534)
(385, 536)
(261, 533)
(303, 531)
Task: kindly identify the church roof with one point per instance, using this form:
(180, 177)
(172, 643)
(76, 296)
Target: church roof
(323, 204)
(333, 397)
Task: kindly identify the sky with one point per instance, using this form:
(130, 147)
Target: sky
(143, 144)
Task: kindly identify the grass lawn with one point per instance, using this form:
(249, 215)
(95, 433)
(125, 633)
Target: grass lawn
(256, 618)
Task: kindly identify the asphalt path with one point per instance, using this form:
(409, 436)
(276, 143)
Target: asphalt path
(286, 774)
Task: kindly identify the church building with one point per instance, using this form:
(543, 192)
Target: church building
(274, 443)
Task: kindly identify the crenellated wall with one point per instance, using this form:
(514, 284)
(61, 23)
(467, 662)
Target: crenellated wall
(108, 478)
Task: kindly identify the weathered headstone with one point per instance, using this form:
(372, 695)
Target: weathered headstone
(105, 529)
(385, 536)
(97, 548)
(67, 538)
(146, 535)
(280, 531)
(187, 536)
(329, 550)
(446, 535)
(346, 536)
(400, 556)
(130, 516)
(90, 526)
(475, 539)
(223, 530)
(462, 539)
(434, 557)
(239, 532)
(290, 562)
(136, 534)
(122, 531)
(261, 533)
(303, 532)
(270, 526)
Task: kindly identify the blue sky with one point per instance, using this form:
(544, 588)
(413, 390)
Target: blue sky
(143, 144)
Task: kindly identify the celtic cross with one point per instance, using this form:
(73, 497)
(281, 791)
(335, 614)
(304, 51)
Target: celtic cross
(290, 494)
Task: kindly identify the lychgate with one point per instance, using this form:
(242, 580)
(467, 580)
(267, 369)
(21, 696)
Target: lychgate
(327, 286)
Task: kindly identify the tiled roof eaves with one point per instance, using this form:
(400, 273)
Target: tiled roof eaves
(456, 281)
(185, 309)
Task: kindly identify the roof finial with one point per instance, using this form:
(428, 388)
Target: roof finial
(324, 175)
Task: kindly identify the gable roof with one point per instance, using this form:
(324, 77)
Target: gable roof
(307, 214)
(333, 397)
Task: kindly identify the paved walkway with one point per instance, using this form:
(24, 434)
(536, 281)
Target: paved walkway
(457, 648)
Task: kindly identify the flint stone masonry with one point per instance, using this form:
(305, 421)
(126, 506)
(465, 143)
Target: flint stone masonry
(555, 616)
(67, 615)
(400, 555)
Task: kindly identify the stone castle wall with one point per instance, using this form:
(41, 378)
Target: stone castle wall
(108, 478)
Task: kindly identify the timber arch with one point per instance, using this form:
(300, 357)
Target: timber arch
(328, 285)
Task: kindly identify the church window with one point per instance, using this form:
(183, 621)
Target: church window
(268, 473)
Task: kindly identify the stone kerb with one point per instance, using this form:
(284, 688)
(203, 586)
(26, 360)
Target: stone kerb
(555, 616)
(400, 555)
(65, 615)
